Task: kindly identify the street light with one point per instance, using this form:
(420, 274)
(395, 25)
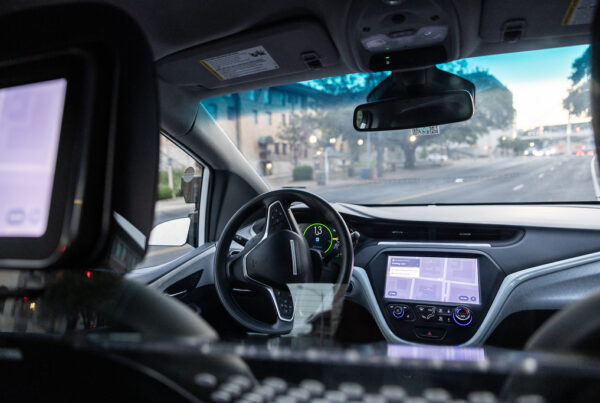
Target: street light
(412, 138)
(531, 144)
(312, 139)
(360, 142)
(332, 140)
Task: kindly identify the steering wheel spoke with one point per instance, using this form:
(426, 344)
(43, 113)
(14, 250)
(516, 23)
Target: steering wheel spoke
(281, 300)
(235, 269)
(279, 218)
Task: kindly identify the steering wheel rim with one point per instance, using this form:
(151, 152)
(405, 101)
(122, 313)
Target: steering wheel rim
(583, 329)
(250, 265)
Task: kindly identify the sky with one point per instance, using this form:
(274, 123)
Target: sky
(538, 80)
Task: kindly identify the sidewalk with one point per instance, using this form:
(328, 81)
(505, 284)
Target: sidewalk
(400, 173)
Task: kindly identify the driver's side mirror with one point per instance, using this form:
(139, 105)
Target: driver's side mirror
(170, 233)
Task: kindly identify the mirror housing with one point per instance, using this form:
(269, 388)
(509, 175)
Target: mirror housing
(396, 114)
(417, 98)
(170, 233)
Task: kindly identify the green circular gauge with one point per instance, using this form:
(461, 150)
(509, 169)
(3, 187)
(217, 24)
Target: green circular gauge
(319, 237)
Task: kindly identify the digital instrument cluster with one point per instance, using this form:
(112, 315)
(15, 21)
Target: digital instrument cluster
(322, 237)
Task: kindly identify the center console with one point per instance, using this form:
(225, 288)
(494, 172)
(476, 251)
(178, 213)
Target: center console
(436, 297)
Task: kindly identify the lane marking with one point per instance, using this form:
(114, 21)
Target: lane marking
(434, 191)
(518, 187)
(541, 175)
(595, 177)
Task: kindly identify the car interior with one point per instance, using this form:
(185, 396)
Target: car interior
(154, 247)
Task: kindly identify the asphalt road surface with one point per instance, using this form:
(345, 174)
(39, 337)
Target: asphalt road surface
(505, 180)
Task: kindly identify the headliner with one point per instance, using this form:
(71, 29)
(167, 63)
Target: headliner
(175, 25)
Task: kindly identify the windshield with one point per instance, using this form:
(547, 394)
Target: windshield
(530, 139)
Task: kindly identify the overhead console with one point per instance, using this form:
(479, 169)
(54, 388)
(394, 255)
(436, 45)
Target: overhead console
(402, 34)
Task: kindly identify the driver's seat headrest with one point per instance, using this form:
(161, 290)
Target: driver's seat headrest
(104, 188)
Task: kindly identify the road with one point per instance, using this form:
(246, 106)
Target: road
(506, 180)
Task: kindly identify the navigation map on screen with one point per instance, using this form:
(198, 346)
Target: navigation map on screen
(30, 123)
(437, 279)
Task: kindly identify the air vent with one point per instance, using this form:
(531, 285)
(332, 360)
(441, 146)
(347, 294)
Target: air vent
(400, 232)
(476, 234)
(431, 232)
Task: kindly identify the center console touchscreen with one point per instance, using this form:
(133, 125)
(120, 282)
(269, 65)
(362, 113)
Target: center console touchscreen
(436, 279)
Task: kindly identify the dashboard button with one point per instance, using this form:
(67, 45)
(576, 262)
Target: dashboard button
(430, 333)
(409, 315)
(443, 310)
(426, 312)
(443, 319)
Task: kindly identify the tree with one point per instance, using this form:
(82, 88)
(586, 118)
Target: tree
(493, 110)
(516, 145)
(296, 133)
(577, 101)
(333, 113)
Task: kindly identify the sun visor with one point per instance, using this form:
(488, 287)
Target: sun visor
(278, 50)
(515, 20)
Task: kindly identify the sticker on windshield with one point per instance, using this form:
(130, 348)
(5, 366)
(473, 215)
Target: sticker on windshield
(580, 12)
(426, 131)
(239, 64)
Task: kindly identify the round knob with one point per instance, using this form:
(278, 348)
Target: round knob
(462, 316)
(398, 312)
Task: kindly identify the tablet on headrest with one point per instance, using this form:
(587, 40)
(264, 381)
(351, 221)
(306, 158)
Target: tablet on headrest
(30, 123)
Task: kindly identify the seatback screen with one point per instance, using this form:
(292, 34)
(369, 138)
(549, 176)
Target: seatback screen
(436, 279)
(30, 125)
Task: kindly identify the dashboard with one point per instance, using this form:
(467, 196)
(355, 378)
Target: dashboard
(441, 275)
(450, 283)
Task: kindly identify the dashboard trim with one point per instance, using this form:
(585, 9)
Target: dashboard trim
(435, 244)
(507, 287)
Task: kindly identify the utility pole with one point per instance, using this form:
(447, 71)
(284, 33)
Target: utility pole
(569, 133)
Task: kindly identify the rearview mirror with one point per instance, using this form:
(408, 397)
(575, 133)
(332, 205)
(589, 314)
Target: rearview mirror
(170, 233)
(396, 114)
(417, 98)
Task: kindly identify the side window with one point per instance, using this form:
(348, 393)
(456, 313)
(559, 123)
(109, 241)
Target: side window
(178, 222)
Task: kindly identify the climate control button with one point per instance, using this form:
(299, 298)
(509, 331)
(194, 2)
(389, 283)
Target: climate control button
(426, 312)
(398, 312)
(401, 312)
(462, 316)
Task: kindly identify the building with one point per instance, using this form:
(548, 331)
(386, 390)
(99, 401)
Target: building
(252, 120)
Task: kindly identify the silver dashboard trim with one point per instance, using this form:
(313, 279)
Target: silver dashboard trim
(435, 244)
(509, 284)
(514, 280)
(294, 266)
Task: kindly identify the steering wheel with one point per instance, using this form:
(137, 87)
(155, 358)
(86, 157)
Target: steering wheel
(575, 328)
(279, 255)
